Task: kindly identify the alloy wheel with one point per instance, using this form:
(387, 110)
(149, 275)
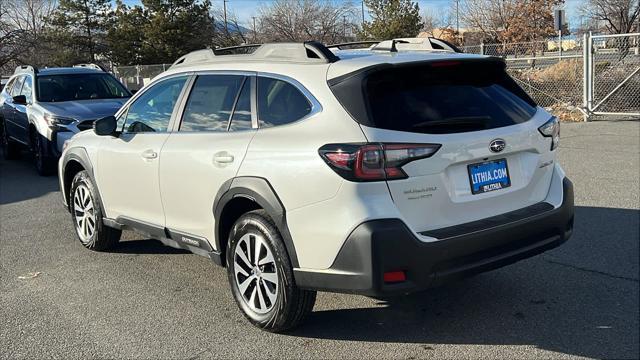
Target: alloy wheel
(255, 273)
(84, 213)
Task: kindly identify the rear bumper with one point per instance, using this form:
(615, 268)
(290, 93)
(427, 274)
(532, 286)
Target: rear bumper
(384, 245)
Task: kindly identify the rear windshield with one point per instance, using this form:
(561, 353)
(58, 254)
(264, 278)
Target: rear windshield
(70, 87)
(435, 98)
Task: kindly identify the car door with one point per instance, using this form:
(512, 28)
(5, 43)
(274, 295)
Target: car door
(127, 168)
(217, 124)
(8, 110)
(20, 116)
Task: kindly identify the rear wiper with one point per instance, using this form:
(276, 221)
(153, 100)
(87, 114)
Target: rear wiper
(478, 121)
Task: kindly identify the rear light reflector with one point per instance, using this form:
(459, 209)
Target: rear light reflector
(374, 161)
(394, 277)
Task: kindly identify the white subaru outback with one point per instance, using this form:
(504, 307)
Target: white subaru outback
(301, 169)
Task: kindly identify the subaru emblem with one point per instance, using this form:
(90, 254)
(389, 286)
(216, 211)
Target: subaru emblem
(497, 145)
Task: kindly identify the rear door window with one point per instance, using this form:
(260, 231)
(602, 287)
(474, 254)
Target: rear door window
(279, 102)
(211, 103)
(437, 98)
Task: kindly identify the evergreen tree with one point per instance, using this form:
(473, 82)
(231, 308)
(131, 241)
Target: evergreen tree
(125, 36)
(391, 19)
(174, 28)
(78, 28)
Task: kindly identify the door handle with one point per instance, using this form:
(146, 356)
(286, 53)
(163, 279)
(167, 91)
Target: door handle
(223, 157)
(149, 154)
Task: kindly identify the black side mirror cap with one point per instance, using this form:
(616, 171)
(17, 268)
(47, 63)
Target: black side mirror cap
(105, 126)
(20, 100)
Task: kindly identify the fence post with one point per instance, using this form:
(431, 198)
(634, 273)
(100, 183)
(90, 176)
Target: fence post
(482, 48)
(585, 75)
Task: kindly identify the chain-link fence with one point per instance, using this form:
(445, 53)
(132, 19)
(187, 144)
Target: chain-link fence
(136, 76)
(613, 75)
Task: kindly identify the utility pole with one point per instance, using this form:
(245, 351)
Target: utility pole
(457, 17)
(362, 3)
(226, 26)
(255, 34)
(344, 28)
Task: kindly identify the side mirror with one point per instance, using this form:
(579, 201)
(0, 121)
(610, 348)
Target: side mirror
(105, 126)
(20, 100)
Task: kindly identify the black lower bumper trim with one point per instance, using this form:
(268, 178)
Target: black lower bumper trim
(380, 246)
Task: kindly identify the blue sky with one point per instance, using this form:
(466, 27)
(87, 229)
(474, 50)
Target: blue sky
(245, 9)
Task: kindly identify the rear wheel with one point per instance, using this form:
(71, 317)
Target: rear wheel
(45, 165)
(10, 150)
(261, 276)
(86, 211)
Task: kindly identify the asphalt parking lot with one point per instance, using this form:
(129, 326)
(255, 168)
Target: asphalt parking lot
(143, 300)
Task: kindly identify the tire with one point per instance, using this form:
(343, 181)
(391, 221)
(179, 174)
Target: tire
(279, 304)
(45, 165)
(10, 150)
(86, 213)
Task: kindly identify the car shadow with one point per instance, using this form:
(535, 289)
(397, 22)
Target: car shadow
(145, 246)
(19, 180)
(579, 299)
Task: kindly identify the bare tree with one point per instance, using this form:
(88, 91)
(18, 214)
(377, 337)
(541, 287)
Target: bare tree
(617, 16)
(491, 17)
(28, 18)
(301, 20)
(230, 33)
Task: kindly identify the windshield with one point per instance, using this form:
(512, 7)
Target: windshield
(70, 87)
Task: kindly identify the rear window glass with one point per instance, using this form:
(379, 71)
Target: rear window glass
(437, 98)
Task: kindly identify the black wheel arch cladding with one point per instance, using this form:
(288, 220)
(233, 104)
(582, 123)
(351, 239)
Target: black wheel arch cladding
(256, 190)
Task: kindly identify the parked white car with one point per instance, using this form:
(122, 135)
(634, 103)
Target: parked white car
(300, 169)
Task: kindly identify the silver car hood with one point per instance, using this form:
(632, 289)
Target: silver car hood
(84, 109)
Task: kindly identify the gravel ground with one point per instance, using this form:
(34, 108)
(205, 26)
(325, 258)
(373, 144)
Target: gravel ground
(143, 300)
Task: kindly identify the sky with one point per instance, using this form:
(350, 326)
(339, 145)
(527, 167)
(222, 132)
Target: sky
(245, 9)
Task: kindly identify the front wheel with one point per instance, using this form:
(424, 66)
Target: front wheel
(261, 276)
(45, 165)
(86, 211)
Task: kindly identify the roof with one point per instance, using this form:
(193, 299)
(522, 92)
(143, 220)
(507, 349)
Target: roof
(352, 60)
(288, 58)
(76, 69)
(67, 70)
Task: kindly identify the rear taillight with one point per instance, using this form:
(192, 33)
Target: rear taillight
(374, 161)
(551, 129)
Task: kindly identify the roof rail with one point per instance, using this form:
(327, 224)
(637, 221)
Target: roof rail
(307, 52)
(354, 43)
(415, 44)
(26, 69)
(90, 66)
(237, 50)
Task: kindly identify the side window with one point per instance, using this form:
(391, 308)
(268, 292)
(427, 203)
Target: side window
(7, 87)
(151, 112)
(241, 119)
(15, 90)
(280, 103)
(26, 89)
(211, 102)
